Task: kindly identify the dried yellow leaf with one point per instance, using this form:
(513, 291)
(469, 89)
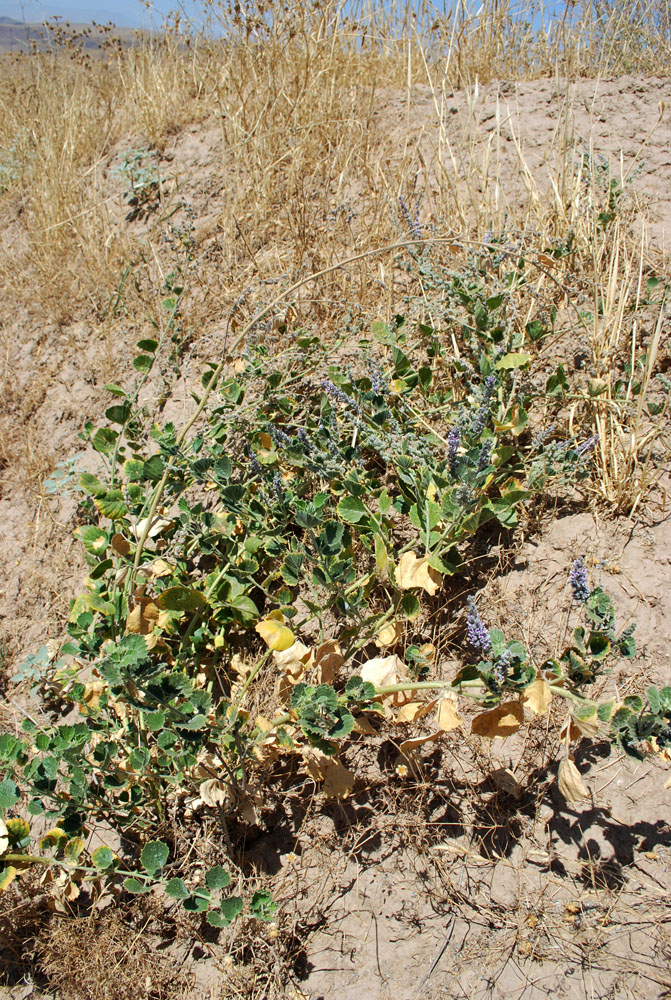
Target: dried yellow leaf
(571, 730)
(586, 727)
(537, 696)
(413, 711)
(215, 793)
(338, 781)
(120, 544)
(275, 635)
(414, 572)
(160, 568)
(327, 660)
(389, 635)
(448, 716)
(407, 746)
(143, 617)
(92, 692)
(158, 525)
(7, 876)
(502, 721)
(293, 659)
(570, 783)
(384, 670)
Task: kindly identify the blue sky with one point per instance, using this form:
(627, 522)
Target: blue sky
(125, 13)
(134, 13)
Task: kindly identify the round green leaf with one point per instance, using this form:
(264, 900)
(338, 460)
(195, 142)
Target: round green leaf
(136, 887)
(154, 856)
(181, 599)
(103, 858)
(9, 793)
(176, 889)
(351, 509)
(154, 720)
(230, 908)
(217, 878)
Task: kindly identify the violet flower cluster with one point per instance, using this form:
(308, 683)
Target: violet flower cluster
(478, 636)
(578, 581)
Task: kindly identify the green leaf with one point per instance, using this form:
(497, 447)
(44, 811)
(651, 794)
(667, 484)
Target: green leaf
(262, 905)
(410, 605)
(136, 887)
(154, 720)
(605, 710)
(104, 440)
(654, 700)
(154, 856)
(291, 568)
(198, 901)
(217, 878)
(133, 470)
(230, 908)
(100, 569)
(93, 539)
(9, 793)
(116, 390)
(513, 360)
(74, 848)
(103, 858)
(91, 484)
(147, 345)
(153, 468)
(351, 509)
(634, 703)
(118, 414)
(181, 599)
(384, 501)
(176, 889)
(143, 362)
(112, 505)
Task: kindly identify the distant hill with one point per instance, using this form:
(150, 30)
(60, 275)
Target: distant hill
(21, 36)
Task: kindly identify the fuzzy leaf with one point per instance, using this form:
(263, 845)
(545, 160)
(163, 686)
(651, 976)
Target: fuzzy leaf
(217, 878)
(154, 856)
(176, 889)
(351, 509)
(9, 793)
(262, 905)
(136, 887)
(103, 858)
(230, 908)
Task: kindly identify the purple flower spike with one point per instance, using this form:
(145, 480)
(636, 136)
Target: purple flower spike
(478, 636)
(578, 581)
